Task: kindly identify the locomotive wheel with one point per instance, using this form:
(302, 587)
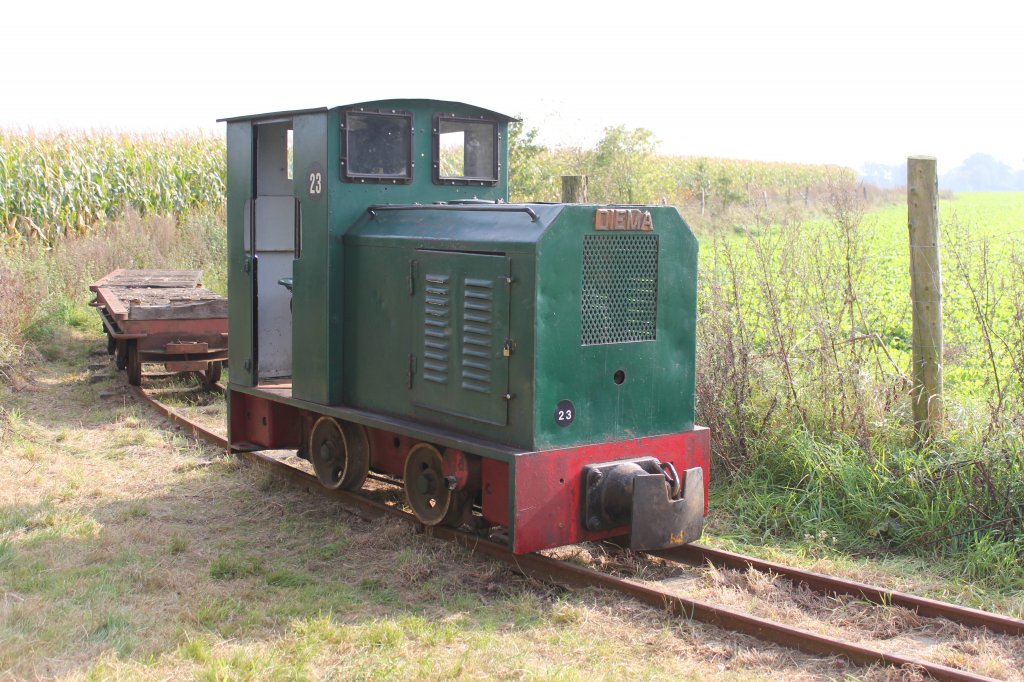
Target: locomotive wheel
(212, 374)
(340, 453)
(431, 500)
(134, 365)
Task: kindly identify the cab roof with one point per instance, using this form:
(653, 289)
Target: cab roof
(440, 105)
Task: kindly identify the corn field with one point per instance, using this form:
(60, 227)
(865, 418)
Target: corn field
(61, 183)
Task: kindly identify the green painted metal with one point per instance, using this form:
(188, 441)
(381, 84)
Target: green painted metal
(360, 301)
(388, 256)
(318, 274)
(312, 322)
(389, 253)
(657, 393)
(460, 316)
(402, 425)
(240, 303)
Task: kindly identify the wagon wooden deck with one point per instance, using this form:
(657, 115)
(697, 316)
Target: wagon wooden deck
(163, 316)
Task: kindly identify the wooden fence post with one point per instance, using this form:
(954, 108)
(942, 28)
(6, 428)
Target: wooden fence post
(574, 189)
(925, 293)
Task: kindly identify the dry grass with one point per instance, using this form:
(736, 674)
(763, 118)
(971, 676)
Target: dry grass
(886, 628)
(892, 629)
(44, 288)
(128, 551)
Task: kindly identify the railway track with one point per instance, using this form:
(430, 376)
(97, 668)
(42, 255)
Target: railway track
(568, 574)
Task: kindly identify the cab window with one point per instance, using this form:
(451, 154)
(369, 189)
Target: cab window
(376, 146)
(465, 150)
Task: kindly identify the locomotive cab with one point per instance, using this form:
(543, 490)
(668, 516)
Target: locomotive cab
(523, 367)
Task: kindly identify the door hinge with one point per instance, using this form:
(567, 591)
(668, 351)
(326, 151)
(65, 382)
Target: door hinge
(412, 278)
(247, 264)
(247, 364)
(412, 370)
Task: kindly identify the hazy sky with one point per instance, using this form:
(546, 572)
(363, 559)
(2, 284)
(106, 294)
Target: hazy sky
(795, 81)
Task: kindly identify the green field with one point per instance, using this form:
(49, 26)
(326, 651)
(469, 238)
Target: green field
(56, 184)
(803, 373)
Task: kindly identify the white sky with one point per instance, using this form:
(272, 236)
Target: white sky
(791, 81)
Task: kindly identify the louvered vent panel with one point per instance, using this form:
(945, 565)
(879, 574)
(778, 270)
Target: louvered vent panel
(436, 328)
(477, 334)
(620, 288)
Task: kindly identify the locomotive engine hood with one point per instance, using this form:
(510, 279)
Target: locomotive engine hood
(599, 325)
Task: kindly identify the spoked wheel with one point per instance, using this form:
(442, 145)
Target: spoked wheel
(134, 365)
(212, 374)
(426, 490)
(340, 453)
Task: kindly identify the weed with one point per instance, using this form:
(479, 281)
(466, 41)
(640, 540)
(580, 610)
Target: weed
(178, 544)
(195, 648)
(13, 518)
(331, 550)
(62, 523)
(136, 510)
(565, 613)
(283, 577)
(383, 635)
(378, 591)
(248, 665)
(108, 626)
(233, 567)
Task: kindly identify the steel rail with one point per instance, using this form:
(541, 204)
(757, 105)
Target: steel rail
(570, 575)
(694, 554)
(180, 419)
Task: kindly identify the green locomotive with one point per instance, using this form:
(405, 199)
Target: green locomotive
(528, 369)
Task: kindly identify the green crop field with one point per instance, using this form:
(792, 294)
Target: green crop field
(59, 183)
(804, 372)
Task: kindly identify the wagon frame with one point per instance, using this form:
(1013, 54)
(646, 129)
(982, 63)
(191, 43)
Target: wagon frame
(162, 316)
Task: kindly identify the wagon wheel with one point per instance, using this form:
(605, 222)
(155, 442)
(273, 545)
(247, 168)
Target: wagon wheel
(121, 355)
(340, 453)
(134, 364)
(212, 374)
(426, 490)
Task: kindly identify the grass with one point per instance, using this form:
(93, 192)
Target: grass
(146, 567)
(44, 288)
(803, 371)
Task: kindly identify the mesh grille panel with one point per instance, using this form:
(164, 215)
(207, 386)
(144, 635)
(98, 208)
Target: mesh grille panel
(620, 288)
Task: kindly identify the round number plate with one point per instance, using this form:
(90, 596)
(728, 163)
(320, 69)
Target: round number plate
(565, 413)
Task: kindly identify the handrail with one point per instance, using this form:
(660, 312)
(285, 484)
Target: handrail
(504, 208)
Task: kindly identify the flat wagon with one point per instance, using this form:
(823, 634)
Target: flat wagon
(163, 316)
